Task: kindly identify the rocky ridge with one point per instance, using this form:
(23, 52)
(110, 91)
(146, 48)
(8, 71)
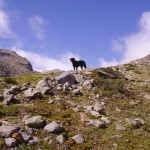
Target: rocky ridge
(11, 64)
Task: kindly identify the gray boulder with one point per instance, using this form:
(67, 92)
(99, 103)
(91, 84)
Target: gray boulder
(11, 142)
(119, 127)
(76, 92)
(7, 131)
(53, 127)
(34, 141)
(60, 139)
(13, 90)
(44, 86)
(97, 123)
(65, 77)
(87, 84)
(10, 99)
(35, 122)
(131, 122)
(32, 93)
(79, 138)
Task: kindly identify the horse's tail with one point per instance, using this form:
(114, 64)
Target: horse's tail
(84, 64)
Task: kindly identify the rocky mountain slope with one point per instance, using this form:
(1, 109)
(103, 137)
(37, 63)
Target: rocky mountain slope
(11, 64)
(94, 109)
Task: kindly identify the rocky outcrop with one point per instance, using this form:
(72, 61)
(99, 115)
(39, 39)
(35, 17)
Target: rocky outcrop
(11, 64)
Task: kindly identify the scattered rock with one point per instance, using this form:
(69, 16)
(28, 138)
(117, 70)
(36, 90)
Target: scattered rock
(65, 77)
(33, 141)
(98, 107)
(139, 121)
(87, 84)
(50, 102)
(10, 99)
(7, 130)
(78, 138)
(133, 103)
(35, 122)
(44, 86)
(89, 108)
(118, 136)
(76, 92)
(95, 113)
(119, 127)
(11, 142)
(26, 137)
(131, 122)
(105, 120)
(66, 86)
(32, 93)
(83, 117)
(97, 123)
(60, 139)
(53, 127)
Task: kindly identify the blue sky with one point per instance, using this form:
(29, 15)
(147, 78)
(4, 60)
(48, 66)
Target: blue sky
(101, 32)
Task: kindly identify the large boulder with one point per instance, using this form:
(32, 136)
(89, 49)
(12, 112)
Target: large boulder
(11, 142)
(53, 127)
(10, 99)
(44, 86)
(8, 130)
(11, 64)
(32, 93)
(65, 77)
(35, 122)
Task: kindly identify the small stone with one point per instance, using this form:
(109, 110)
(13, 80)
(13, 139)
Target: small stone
(139, 121)
(76, 92)
(53, 127)
(89, 108)
(118, 136)
(51, 102)
(60, 139)
(105, 120)
(35, 140)
(26, 137)
(97, 123)
(131, 122)
(115, 145)
(35, 122)
(83, 117)
(78, 138)
(98, 107)
(11, 142)
(8, 130)
(87, 84)
(95, 113)
(132, 103)
(57, 98)
(119, 127)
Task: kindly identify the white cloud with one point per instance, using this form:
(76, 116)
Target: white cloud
(104, 63)
(37, 25)
(134, 45)
(5, 28)
(40, 62)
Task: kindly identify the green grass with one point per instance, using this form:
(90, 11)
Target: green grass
(12, 110)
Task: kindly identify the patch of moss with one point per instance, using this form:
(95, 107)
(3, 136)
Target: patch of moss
(12, 110)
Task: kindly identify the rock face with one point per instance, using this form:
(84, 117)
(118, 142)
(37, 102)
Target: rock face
(11, 64)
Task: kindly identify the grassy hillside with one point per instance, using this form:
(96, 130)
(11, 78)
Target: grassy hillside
(124, 92)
